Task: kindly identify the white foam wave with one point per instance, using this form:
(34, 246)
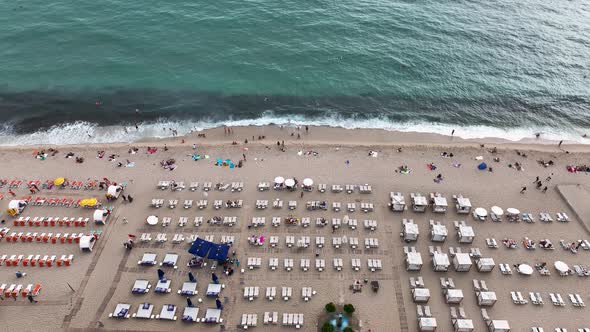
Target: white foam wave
(86, 133)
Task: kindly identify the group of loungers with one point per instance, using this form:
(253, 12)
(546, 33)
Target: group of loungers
(14, 290)
(556, 299)
(36, 260)
(207, 186)
(51, 221)
(39, 237)
(373, 264)
(167, 312)
(252, 292)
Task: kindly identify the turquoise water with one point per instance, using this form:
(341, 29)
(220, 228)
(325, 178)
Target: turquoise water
(503, 64)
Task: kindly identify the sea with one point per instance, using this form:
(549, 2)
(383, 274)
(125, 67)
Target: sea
(84, 71)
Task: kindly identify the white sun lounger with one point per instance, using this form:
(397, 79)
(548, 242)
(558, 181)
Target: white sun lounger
(271, 317)
(273, 263)
(356, 264)
(213, 290)
(144, 311)
(336, 188)
(146, 237)
(288, 264)
(336, 223)
(251, 292)
(148, 259)
(237, 186)
(207, 186)
(189, 288)
(263, 186)
(249, 320)
(277, 204)
(305, 264)
(351, 207)
(141, 286)
(276, 221)
(370, 224)
(273, 241)
(350, 188)
(336, 206)
(163, 286)
(254, 262)
(178, 238)
(338, 264)
(307, 293)
(320, 241)
(168, 312)
(305, 222)
(374, 264)
(286, 293)
(292, 205)
(320, 264)
(289, 241)
(121, 311)
(190, 315)
(353, 242)
(271, 293)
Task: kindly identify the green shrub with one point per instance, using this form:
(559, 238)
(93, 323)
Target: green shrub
(330, 307)
(348, 309)
(348, 329)
(327, 327)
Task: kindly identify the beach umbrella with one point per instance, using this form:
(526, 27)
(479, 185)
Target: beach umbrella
(59, 181)
(525, 269)
(214, 278)
(307, 182)
(482, 166)
(218, 304)
(481, 212)
(152, 220)
(289, 182)
(189, 303)
(497, 210)
(88, 202)
(561, 266)
(160, 274)
(279, 180)
(191, 277)
(512, 211)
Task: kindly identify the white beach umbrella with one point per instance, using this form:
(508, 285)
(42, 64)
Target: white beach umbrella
(512, 211)
(152, 220)
(289, 182)
(307, 182)
(561, 266)
(525, 269)
(497, 210)
(279, 180)
(481, 212)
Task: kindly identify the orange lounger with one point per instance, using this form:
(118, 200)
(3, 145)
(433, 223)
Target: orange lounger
(35, 260)
(27, 260)
(36, 290)
(26, 290)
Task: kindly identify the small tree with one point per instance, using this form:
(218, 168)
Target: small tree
(348, 309)
(327, 327)
(348, 329)
(330, 307)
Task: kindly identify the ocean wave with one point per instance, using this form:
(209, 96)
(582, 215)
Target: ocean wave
(81, 132)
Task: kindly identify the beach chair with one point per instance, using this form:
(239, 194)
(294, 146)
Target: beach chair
(261, 204)
(336, 223)
(198, 221)
(168, 312)
(356, 264)
(320, 264)
(305, 264)
(353, 242)
(579, 300)
(277, 203)
(251, 292)
(237, 186)
(322, 187)
(263, 186)
(273, 263)
(161, 238)
(374, 264)
(170, 260)
(307, 293)
(320, 241)
(189, 288)
(351, 207)
(336, 206)
(337, 264)
(145, 237)
(121, 311)
(163, 286)
(254, 262)
(289, 241)
(286, 293)
(148, 259)
(350, 188)
(271, 293)
(370, 224)
(292, 205)
(288, 264)
(207, 186)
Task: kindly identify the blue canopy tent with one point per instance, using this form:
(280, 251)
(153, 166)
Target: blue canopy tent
(209, 250)
(482, 166)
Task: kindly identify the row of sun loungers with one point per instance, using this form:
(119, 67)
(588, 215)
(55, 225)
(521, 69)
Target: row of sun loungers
(53, 201)
(320, 264)
(36, 260)
(320, 241)
(14, 290)
(51, 221)
(44, 237)
(207, 186)
(252, 292)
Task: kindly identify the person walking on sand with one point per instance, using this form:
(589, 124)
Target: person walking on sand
(536, 179)
(31, 299)
(522, 190)
(559, 145)
(544, 190)
(453, 132)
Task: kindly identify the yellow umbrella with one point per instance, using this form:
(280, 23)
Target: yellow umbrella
(88, 202)
(59, 181)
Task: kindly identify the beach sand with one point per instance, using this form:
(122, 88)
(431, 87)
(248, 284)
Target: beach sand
(103, 278)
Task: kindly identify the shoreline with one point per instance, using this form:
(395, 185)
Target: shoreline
(327, 136)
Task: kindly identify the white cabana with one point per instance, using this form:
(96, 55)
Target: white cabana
(486, 298)
(497, 325)
(409, 231)
(465, 234)
(419, 203)
(420, 294)
(114, 191)
(440, 204)
(524, 269)
(561, 267)
(427, 324)
(453, 296)
(463, 325)
(152, 220)
(100, 216)
(413, 261)
(440, 262)
(16, 206)
(462, 262)
(438, 232)
(87, 242)
(463, 205)
(397, 202)
(485, 264)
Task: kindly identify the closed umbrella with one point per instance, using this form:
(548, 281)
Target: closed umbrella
(160, 274)
(59, 181)
(218, 304)
(497, 210)
(189, 303)
(191, 277)
(214, 278)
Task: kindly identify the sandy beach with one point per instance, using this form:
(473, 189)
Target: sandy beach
(81, 296)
